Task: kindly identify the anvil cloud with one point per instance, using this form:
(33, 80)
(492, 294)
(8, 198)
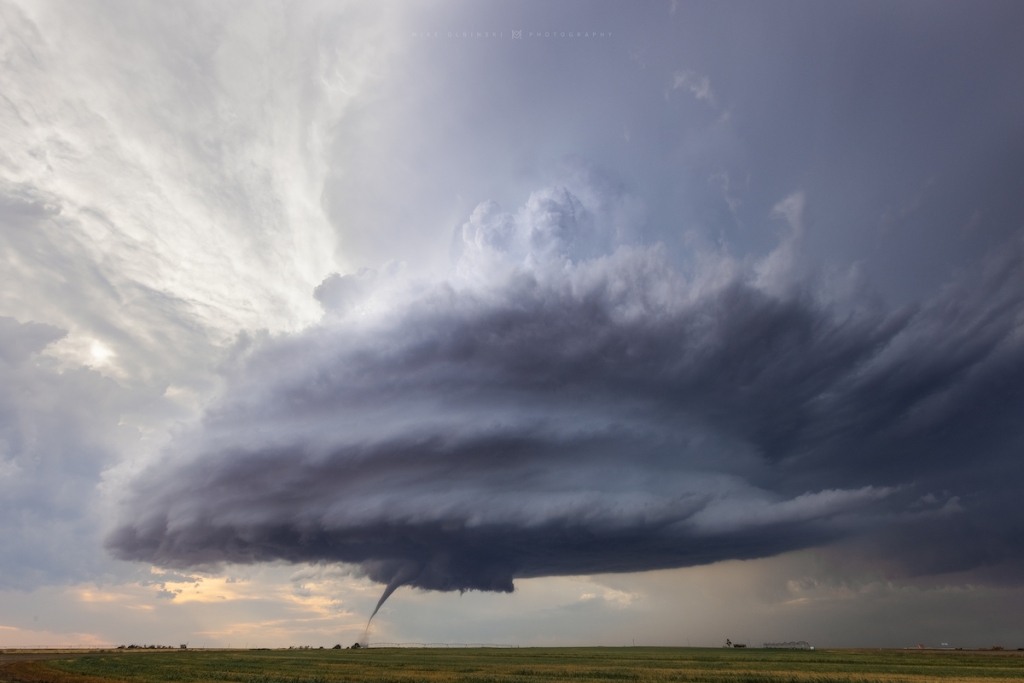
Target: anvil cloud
(548, 411)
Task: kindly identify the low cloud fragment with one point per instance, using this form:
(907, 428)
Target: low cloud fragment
(699, 86)
(545, 411)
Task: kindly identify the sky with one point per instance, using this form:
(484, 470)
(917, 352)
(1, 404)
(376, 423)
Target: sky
(532, 323)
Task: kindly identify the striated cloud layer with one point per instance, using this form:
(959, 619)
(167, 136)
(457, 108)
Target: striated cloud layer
(548, 410)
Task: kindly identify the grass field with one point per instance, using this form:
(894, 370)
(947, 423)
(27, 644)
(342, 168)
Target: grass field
(526, 665)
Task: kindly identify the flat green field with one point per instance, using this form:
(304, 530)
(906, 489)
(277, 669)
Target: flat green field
(530, 665)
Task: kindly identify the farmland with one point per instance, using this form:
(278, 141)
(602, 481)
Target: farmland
(526, 665)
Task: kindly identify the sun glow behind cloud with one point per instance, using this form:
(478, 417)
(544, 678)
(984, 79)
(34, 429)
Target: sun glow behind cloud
(197, 198)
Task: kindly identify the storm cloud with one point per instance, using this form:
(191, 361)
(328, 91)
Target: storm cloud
(546, 410)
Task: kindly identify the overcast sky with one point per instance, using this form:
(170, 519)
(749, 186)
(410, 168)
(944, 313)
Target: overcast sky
(564, 322)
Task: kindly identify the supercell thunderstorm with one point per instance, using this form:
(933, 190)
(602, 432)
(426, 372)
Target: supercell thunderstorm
(547, 410)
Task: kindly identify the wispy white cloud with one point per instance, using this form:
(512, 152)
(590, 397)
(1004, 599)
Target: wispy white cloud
(699, 86)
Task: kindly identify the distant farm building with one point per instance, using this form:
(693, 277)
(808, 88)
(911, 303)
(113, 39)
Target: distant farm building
(795, 645)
